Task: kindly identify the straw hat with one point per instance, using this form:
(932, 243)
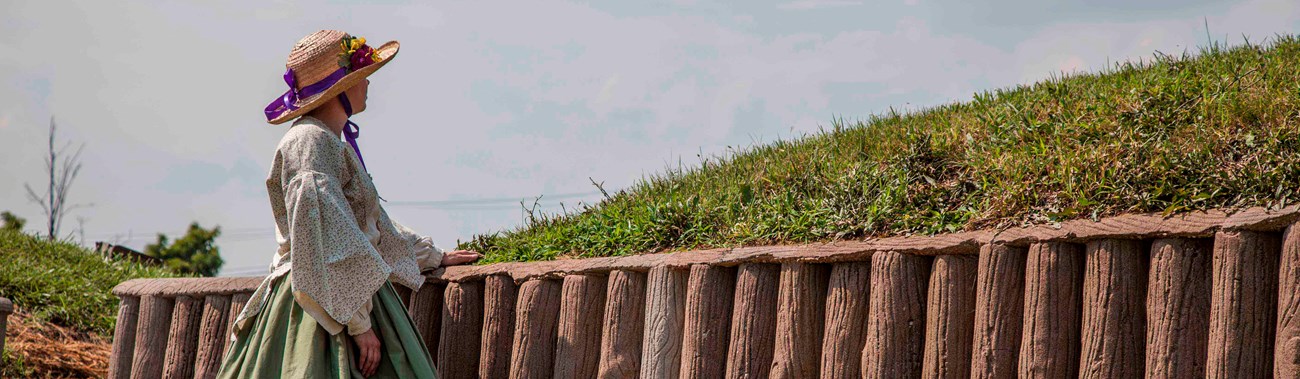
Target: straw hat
(321, 66)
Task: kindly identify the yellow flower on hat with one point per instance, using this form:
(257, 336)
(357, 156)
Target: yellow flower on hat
(356, 54)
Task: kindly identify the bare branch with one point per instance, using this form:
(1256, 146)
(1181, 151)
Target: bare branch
(61, 175)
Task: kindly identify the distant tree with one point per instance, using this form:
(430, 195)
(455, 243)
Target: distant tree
(194, 253)
(12, 222)
(62, 170)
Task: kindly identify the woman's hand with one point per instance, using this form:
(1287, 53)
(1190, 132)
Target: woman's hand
(368, 348)
(460, 257)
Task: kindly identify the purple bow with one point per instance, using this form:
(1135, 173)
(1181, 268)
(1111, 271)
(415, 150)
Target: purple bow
(288, 102)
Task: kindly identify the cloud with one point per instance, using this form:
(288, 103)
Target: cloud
(817, 4)
(1089, 46)
(489, 104)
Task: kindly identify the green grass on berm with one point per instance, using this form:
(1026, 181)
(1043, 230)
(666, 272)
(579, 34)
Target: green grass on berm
(64, 283)
(1213, 129)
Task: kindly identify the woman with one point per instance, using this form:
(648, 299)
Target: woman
(329, 309)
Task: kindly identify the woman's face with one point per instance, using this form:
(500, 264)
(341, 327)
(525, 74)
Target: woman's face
(357, 96)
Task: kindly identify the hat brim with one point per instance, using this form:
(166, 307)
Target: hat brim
(386, 53)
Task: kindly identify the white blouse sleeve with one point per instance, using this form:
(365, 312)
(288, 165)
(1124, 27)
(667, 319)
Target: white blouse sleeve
(335, 267)
(427, 255)
(360, 322)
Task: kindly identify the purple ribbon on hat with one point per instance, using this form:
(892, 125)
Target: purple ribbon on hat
(287, 103)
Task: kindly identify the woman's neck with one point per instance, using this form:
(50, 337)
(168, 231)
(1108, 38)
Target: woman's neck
(332, 115)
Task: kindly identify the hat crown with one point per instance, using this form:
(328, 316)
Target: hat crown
(315, 56)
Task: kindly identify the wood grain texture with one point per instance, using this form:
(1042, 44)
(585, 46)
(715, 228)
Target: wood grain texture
(620, 344)
(708, 321)
(1053, 303)
(753, 320)
(800, 320)
(950, 317)
(847, 298)
(237, 303)
(128, 312)
(461, 336)
(500, 295)
(896, 325)
(6, 308)
(405, 294)
(212, 336)
(999, 311)
(1243, 304)
(194, 287)
(1178, 308)
(533, 354)
(426, 315)
(1286, 356)
(665, 315)
(1199, 224)
(151, 337)
(183, 337)
(582, 309)
(1112, 334)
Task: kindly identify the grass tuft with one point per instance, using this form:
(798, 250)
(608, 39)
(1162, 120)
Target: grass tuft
(1215, 129)
(65, 284)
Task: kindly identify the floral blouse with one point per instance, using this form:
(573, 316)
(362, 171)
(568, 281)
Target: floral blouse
(339, 244)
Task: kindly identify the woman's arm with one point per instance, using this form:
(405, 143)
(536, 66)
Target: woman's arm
(428, 255)
(335, 268)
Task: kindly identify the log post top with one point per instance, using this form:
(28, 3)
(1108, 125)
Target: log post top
(6, 307)
(196, 287)
(1200, 224)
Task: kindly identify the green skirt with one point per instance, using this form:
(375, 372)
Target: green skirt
(283, 341)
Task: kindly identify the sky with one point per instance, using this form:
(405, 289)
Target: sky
(491, 103)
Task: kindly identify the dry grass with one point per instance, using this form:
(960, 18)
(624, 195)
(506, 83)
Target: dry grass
(45, 350)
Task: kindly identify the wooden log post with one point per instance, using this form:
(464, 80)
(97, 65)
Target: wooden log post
(151, 337)
(1242, 304)
(950, 317)
(1053, 301)
(212, 336)
(500, 295)
(1286, 359)
(404, 294)
(1112, 334)
(128, 312)
(582, 309)
(896, 325)
(753, 320)
(620, 344)
(237, 303)
(6, 307)
(708, 321)
(426, 314)
(665, 315)
(538, 310)
(1178, 308)
(800, 320)
(999, 311)
(462, 325)
(847, 297)
(183, 338)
